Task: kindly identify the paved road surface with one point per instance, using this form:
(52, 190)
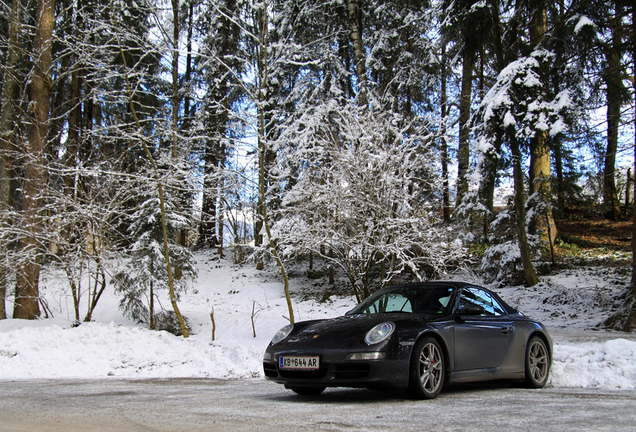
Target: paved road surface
(191, 405)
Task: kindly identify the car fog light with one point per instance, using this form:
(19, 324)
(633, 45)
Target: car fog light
(366, 356)
(267, 356)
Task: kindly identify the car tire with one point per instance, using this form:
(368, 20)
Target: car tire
(308, 391)
(427, 369)
(537, 363)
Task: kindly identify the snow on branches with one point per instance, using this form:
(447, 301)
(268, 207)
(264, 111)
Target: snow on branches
(518, 103)
(358, 188)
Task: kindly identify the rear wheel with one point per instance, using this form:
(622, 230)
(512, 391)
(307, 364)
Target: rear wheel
(427, 369)
(537, 363)
(308, 391)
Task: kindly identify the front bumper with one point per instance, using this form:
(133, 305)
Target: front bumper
(335, 371)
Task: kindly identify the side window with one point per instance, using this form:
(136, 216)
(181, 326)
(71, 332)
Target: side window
(479, 297)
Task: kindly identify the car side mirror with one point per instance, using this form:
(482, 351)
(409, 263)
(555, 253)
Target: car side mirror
(471, 310)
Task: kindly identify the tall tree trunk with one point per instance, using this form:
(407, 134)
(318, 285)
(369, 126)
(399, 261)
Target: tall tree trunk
(152, 323)
(263, 74)
(444, 142)
(3, 293)
(75, 115)
(355, 26)
(489, 178)
(27, 281)
(540, 162)
(558, 160)
(463, 151)
(186, 97)
(221, 214)
(215, 154)
(215, 146)
(614, 84)
(7, 125)
(343, 53)
(176, 103)
(74, 124)
(188, 67)
(540, 177)
(625, 318)
(557, 142)
(59, 95)
(207, 228)
(633, 286)
(262, 137)
(175, 81)
(528, 268)
(491, 161)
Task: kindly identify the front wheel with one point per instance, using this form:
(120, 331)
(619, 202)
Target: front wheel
(537, 363)
(427, 369)
(308, 391)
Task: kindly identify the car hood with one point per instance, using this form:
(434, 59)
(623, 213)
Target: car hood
(342, 328)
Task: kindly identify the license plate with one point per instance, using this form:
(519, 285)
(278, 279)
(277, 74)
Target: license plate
(302, 363)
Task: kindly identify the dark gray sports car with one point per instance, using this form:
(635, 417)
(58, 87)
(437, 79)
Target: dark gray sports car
(415, 337)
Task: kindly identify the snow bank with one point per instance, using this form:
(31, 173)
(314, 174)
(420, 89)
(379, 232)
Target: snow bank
(97, 350)
(116, 347)
(607, 365)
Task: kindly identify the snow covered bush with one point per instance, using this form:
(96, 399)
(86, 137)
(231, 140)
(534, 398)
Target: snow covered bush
(362, 195)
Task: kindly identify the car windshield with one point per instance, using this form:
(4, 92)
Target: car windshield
(408, 299)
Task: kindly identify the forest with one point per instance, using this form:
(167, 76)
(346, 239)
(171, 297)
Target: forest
(373, 135)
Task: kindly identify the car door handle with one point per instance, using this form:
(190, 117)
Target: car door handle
(505, 330)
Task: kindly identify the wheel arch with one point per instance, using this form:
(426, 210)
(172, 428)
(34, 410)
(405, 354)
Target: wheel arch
(536, 371)
(540, 334)
(445, 350)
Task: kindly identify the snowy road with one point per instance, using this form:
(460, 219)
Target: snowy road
(255, 405)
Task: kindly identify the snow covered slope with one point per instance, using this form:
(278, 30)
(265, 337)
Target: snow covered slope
(570, 304)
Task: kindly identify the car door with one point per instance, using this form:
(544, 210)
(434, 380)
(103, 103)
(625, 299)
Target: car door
(481, 341)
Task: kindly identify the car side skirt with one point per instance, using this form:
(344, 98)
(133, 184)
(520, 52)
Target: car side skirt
(456, 377)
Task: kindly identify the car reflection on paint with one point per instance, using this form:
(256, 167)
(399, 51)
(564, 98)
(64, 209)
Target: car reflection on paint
(414, 337)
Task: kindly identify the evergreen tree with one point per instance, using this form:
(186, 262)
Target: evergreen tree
(145, 276)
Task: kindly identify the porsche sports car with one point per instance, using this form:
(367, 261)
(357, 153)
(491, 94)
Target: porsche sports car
(415, 337)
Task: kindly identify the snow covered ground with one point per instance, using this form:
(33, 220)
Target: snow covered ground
(569, 303)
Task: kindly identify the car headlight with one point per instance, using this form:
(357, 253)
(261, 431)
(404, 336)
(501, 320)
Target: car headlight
(282, 333)
(379, 333)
